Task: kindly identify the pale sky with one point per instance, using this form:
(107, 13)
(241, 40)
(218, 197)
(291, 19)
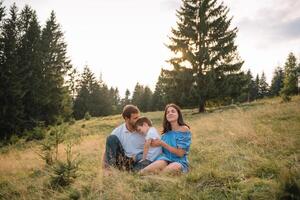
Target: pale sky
(124, 39)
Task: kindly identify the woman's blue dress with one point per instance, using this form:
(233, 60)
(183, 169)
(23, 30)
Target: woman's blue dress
(177, 139)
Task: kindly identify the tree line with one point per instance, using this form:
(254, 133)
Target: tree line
(177, 86)
(33, 65)
(40, 87)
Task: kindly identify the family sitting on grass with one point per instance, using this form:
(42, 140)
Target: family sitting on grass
(137, 146)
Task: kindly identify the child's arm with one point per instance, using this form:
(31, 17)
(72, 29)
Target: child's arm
(178, 151)
(146, 148)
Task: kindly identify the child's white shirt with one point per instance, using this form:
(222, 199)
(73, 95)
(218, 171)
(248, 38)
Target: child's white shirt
(153, 151)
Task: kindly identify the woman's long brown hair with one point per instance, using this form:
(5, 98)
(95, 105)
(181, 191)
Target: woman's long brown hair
(167, 125)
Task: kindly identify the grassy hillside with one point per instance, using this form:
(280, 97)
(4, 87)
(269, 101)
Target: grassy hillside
(248, 151)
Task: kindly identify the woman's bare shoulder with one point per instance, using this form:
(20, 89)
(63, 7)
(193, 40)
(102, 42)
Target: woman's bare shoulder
(184, 128)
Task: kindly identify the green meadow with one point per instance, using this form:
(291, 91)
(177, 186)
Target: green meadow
(245, 151)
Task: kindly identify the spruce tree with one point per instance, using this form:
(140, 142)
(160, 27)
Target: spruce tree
(204, 42)
(115, 100)
(263, 87)
(92, 96)
(158, 99)
(126, 100)
(175, 86)
(249, 86)
(137, 95)
(146, 99)
(55, 66)
(72, 83)
(290, 76)
(256, 88)
(11, 92)
(84, 90)
(277, 81)
(30, 63)
(241, 91)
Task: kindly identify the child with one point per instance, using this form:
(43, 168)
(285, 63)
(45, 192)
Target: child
(175, 143)
(144, 126)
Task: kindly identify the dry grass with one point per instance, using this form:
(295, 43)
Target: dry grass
(250, 151)
(16, 161)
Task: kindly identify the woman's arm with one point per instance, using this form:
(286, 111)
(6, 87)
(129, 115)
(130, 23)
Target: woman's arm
(177, 151)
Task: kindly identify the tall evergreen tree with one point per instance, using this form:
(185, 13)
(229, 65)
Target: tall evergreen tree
(115, 100)
(239, 88)
(126, 100)
(204, 42)
(158, 99)
(175, 86)
(290, 76)
(92, 96)
(146, 99)
(277, 81)
(298, 77)
(11, 92)
(72, 82)
(81, 104)
(256, 87)
(30, 64)
(55, 66)
(249, 88)
(263, 87)
(137, 95)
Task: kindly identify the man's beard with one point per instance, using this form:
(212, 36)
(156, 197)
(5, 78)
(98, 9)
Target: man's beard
(132, 124)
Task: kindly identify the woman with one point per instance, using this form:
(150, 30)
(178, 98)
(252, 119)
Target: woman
(175, 143)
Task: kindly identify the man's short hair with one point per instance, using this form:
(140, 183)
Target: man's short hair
(128, 110)
(142, 120)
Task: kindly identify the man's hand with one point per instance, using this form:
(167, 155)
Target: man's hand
(133, 158)
(156, 143)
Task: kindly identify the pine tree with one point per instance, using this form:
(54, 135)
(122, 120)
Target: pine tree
(175, 86)
(137, 95)
(93, 96)
(11, 89)
(72, 83)
(158, 99)
(30, 64)
(115, 100)
(242, 90)
(146, 99)
(277, 81)
(256, 87)
(249, 86)
(81, 104)
(55, 67)
(290, 76)
(263, 87)
(204, 42)
(298, 77)
(126, 100)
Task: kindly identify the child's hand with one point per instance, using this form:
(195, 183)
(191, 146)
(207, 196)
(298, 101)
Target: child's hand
(156, 142)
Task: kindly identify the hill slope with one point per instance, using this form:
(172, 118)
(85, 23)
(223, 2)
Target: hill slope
(250, 151)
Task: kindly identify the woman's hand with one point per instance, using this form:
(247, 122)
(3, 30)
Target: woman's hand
(156, 143)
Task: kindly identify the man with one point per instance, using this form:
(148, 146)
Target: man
(124, 142)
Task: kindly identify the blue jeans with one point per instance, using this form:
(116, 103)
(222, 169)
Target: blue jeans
(140, 165)
(115, 154)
